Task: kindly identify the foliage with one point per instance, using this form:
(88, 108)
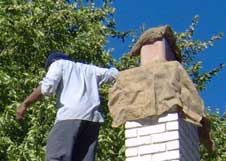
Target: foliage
(111, 140)
(190, 49)
(29, 31)
(218, 127)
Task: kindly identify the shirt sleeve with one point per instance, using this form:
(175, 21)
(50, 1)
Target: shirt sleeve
(105, 75)
(50, 82)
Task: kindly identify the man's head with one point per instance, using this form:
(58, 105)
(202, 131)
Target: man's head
(53, 57)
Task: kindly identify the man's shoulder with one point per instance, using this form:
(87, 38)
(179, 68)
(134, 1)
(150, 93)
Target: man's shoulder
(66, 62)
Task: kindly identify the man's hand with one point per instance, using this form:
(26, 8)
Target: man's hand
(20, 112)
(33, 97)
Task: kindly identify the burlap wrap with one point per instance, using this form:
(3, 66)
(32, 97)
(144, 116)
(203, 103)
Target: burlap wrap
(153, 89)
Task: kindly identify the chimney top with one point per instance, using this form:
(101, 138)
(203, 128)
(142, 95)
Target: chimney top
(154, 34)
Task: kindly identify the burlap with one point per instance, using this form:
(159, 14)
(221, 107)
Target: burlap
(153, 89)
(154, 34)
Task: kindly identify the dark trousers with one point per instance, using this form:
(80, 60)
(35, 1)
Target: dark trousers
(72, 140)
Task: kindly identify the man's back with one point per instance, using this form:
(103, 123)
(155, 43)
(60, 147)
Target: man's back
(76, 86)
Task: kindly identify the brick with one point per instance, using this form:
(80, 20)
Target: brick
(172, 145)
(186, 142)
(171, 139)
(131, 133)
(189, 135)
(152, 129)
(171, 155)
(132, 124)
(184, 149)
(132, 142)
(154, 148)
(185, 154)
(145, 158)
(140, 158)
(169, 117)
(131, 152)
(145, 140)
(172, 125)
(133, 159)
(187, 149)
(163, 137)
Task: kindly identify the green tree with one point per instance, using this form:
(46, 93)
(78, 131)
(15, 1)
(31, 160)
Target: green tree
(29, 31)
(218, 127)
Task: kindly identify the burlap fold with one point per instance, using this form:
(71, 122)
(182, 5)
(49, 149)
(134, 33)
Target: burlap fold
(153, 89)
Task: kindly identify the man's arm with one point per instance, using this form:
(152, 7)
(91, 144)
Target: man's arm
(106, 75)
(47, 86)
(33, 97)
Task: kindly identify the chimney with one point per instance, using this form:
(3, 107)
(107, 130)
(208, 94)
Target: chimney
(167, 137)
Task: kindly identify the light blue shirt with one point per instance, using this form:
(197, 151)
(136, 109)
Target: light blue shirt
(76, 87)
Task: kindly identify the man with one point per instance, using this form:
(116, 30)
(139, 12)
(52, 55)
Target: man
(75, 133)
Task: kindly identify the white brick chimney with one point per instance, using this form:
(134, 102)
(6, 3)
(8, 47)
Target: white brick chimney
(167, 138)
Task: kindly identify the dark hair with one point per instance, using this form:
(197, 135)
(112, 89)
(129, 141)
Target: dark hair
(55, 56)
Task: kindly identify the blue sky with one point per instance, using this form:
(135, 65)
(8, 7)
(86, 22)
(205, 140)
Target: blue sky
(131, 14)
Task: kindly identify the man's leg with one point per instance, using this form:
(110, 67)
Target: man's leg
(62, 139)
(85, 147)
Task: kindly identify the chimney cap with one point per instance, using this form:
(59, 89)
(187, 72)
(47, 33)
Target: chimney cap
(154, 34)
